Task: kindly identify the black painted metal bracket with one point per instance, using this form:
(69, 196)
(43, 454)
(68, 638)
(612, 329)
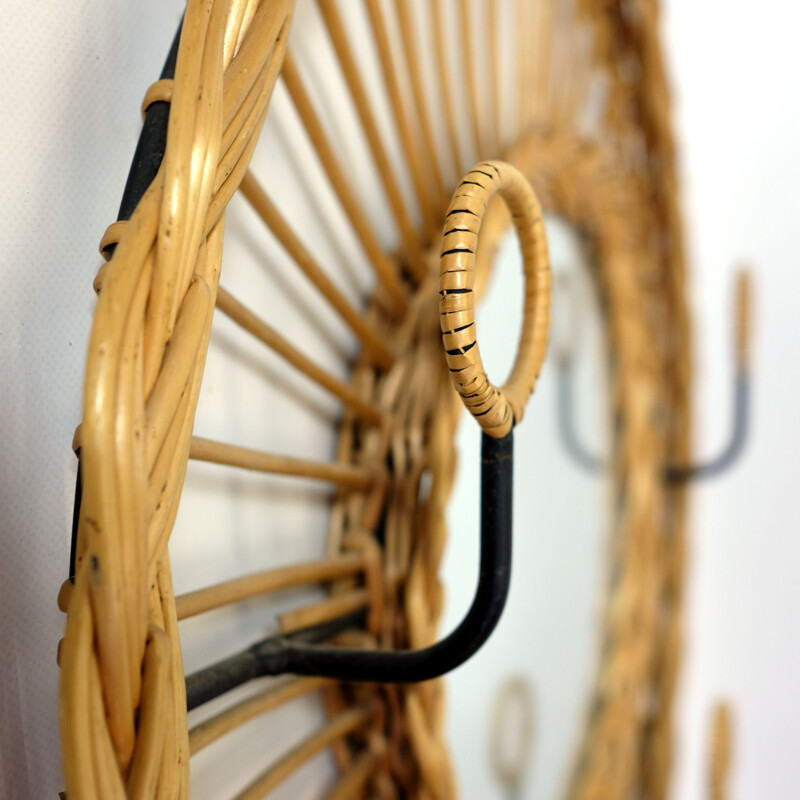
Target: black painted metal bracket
(302, 655)
(671, 474)
(730, 454)
(258, 660)
(709, 469)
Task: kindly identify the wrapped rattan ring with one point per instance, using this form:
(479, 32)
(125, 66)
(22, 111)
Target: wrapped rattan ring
(497, 410)
(511, 732)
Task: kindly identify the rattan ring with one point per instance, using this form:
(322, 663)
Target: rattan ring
(496, 410)
(513, 711)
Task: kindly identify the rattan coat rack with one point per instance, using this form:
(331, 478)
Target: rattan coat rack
(591, 133)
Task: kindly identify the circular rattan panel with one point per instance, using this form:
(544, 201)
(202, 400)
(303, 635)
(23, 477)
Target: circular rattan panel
(570, 93)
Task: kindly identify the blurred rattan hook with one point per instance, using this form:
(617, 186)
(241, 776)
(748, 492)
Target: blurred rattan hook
(720, 752)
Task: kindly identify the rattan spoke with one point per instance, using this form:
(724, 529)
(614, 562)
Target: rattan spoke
(386, 271)
(265, 333)
(334, 607)
(273, 580)
(719, 755)
(378, 348)
(523, 29)
(495, 87)
(412, 64)
(348, 476)
(468, 46)
(358, 92)
(446, 88)
(336, 730)
(212, 729)
(355, 777)
(542, 68)
(401, 118)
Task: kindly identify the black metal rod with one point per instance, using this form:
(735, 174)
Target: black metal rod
(566, 421)
(144, 168)
(300, 656)
(210, 682)
(732, 451)
(76, 516)
(152, 142)
(709, 469)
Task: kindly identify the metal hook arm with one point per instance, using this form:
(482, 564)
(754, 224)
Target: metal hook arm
(300, 655)
(741, 396)
(741, 403)
(497, 411)
(728, 457)
(566, 421)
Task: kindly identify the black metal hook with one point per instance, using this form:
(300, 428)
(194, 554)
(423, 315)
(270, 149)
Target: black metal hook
(741, 405)
(300, 653)
(741, 396)
(736, 443)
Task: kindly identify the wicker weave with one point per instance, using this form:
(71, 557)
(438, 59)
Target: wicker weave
(123, 717)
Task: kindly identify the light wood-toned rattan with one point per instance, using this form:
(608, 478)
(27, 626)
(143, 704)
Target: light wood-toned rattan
(497, 410)
(720, 756)
(607, 166)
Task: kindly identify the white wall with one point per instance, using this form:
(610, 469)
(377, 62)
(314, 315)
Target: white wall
(549, 634)
(735, 70)
(73, 77)
(73, 80)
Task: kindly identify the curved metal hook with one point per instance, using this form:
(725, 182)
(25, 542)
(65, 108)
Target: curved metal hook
(741, 396)
(741, 403)
(497, 411)
(300, 653)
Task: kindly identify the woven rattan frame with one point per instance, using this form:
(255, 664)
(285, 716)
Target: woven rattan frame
(123, 719)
